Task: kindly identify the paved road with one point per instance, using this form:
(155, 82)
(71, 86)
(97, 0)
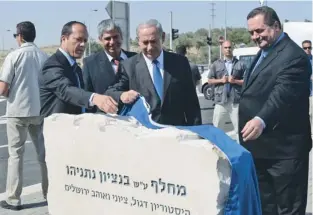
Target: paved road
(31, 167)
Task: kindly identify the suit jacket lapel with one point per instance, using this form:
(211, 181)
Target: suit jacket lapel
(265, 62)
(167, 77)
(143, 74)
(105, 64)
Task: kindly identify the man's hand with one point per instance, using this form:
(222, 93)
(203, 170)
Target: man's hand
(105, 103)
(129, 96)
(252, 130)
(224, 79)
(231, 79)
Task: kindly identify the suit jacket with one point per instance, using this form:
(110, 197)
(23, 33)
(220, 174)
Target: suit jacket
(278, 92)
(98, 73)
(195, 73)
(59, 87)
(179, 105)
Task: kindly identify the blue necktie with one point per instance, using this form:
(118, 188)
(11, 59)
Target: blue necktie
(157, 79)
(78, 81)
(259, 61)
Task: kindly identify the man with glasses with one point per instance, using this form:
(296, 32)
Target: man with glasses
(19, 83)
(227, 77)
(99, 70)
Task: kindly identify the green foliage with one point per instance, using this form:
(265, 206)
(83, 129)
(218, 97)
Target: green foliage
(94, 46)
(197, 46)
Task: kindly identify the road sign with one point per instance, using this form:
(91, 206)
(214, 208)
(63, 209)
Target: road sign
(119, 12)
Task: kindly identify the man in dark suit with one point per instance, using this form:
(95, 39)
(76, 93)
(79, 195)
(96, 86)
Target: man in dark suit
(182, 50)
(274, 115)
(164, 79)
(99, 70)
(61, 81)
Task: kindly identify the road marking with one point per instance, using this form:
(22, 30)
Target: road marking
(4, 146)
(3, 120)
(26, 190)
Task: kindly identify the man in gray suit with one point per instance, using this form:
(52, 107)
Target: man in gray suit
(181, 49)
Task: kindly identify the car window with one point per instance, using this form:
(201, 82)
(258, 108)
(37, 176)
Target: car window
(247, 60)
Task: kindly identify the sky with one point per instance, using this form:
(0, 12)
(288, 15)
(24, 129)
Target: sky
(49, 17)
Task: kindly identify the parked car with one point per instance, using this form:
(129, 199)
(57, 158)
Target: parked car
(206, 88)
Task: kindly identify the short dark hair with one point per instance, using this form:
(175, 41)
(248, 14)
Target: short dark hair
(270, 15)
(67, 28)
(181, 49)
(307, 41)
(27, 30)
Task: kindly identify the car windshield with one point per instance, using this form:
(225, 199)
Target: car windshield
(247, 60)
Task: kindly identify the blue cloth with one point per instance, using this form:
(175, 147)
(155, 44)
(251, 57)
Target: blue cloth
(157, 79)
(243, 196)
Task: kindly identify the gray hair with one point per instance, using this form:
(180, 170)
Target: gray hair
(150, 23)
(108, 25)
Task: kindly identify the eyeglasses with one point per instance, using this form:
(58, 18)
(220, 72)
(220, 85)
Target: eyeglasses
(307, 48)
(15, 35)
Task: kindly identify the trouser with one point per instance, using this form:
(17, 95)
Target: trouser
(283, 185)
(17, 134)
(221, 111)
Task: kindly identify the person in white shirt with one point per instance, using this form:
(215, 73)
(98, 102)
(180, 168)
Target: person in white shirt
(19, 83)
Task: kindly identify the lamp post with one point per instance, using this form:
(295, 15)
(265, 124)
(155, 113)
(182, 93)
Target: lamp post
(7, 30)
(89, 40)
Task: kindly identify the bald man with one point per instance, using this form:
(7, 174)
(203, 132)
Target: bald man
(226, 75)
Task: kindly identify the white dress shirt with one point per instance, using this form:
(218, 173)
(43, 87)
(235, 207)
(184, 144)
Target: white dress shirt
(114, 66)
(149, 63)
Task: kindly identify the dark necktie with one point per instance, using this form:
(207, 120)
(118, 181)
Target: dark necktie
(76, 70)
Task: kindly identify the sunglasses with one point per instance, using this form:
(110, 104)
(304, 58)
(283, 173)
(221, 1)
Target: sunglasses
(307, 48)
(15, 35)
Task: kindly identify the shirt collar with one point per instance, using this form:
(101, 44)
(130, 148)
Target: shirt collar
(160, 60)
(122, 55)
(70, 59)
(266, 51)
(27, 44)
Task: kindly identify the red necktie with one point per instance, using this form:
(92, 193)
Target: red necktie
(116, 62)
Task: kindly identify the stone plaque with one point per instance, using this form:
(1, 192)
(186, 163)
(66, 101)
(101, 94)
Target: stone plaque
(99, 164)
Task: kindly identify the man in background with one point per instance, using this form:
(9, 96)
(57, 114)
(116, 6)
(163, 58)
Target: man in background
(19, 83)
(99, 70)
(227, 77)
(61, 79)
(307, 47)
(182, 50)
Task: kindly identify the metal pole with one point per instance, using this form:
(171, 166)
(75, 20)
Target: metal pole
(220, 51)
(209, 48)
(89, 43)
(3, 42)
(113, 10)
(225, 31)
(171, 27)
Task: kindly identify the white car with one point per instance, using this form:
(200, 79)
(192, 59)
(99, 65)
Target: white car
(204, 87)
